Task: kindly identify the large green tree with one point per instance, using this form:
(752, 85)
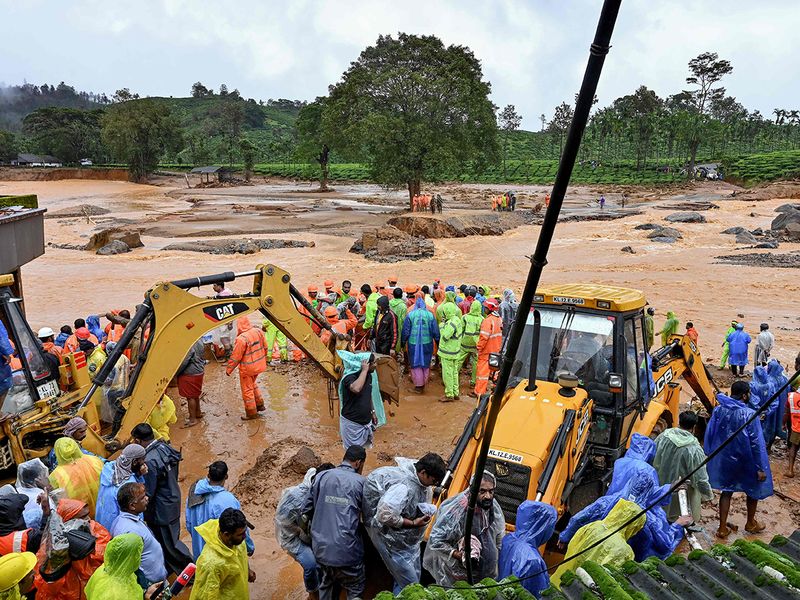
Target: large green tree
(8, 146)
(140, 132)
(413, 108)
(509, 121)
(314, 140)
(67, 133)
(706, 70)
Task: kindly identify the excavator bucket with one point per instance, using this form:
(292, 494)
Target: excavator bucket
(388, 378)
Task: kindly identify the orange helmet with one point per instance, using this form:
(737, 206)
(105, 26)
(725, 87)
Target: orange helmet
(312, 288)
(328, 283)
(392, 279)
(410, 289)
(331, 312)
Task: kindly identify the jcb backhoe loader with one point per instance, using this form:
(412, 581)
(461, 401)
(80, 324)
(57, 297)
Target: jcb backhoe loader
(582, 382)
(168, 321)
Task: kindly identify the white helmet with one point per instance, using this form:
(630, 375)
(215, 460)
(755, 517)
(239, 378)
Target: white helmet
(45, 332)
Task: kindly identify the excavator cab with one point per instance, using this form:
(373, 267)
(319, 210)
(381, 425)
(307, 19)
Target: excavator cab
(555, 440)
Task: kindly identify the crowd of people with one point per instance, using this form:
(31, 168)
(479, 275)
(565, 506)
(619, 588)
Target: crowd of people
(426, 202)
(507, 201)
(110, 530)
(76, 524)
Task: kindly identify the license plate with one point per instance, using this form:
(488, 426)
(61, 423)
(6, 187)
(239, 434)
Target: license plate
(47, 390)
(566, 300)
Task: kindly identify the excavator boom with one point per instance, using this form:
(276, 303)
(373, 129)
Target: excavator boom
(172, 320)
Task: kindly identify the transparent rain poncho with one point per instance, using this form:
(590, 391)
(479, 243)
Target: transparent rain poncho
(678, 453)
(613, 551)
(31, 479)
(289, 530)
(390, 495)
(448, 531)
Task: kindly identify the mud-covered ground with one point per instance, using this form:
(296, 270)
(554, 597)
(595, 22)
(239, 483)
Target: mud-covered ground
(685, 276)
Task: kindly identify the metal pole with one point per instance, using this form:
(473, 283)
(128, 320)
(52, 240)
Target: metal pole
(583, 105)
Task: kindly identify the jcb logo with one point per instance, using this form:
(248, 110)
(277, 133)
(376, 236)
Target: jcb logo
(662, 381)
(224, 312)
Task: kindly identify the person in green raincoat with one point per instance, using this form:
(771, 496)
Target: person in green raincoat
(271, 335)
(670, 328)
(450, 334)
(449, 298)
(615, 551)
(116, 577)
(649, 326)
(398, 306)
(469, 341)
(726, 349)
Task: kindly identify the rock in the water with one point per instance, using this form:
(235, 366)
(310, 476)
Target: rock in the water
(745, 237)
(771, 244)
(422, 225)
(733, 230)
(786, 226)
(686, 217)
(664, 239)
(114, 247)
(757, 231)
(787, 207)
(628, 249)
(102, 238)
(669, 232)
(389, 244)
(647, 226)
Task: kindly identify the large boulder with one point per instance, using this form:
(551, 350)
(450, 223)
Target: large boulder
(664, 239)
(787, 207)
(686, 217)
(647, 226)
(114, 247)
(669, 232)
(784, 218)
(745, 237)
(130, 237)
(733, 230)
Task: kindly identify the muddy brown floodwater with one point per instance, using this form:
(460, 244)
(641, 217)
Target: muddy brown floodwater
(685, 277)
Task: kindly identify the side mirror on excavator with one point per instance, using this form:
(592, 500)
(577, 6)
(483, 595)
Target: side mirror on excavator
(614, 383)
(495, 360)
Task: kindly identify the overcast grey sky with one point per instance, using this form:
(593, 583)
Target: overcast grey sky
(532, 51)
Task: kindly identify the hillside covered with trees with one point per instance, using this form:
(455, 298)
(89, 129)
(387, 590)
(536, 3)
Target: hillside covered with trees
(638, 138)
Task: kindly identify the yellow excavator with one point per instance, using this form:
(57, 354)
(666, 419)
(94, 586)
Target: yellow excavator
(165, 326)
(582, 382)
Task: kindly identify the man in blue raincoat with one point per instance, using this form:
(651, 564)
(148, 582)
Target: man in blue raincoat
(773, 426)
(762, 388)
(519, 554)
(738, 344)
(742, 465)
(657, 538)
(206, 500)
(638, 459)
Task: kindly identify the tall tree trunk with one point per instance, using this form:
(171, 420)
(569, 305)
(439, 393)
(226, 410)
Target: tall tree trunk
(414, 187)
(324, 161)
(693, 145)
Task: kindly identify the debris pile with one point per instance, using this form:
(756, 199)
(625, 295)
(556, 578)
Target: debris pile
(389, 244)
(494, 223)
(244, 246)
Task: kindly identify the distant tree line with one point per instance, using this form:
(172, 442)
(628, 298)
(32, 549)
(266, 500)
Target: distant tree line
(409, 107)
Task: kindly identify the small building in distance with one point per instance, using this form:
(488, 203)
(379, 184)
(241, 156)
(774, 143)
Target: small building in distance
(219, 173)
(36, 160)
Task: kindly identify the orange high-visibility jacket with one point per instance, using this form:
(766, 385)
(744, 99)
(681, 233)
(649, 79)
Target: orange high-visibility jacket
(341, 326)
(249, 351)
(490, 339)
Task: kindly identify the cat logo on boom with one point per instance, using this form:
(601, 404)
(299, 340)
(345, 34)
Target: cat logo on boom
(220, 312)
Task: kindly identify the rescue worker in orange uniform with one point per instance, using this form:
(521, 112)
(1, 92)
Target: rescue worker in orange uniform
(329, 287)
(490, 341)
(791, 422)
(250, 355)
(342, 326)
(114, 331)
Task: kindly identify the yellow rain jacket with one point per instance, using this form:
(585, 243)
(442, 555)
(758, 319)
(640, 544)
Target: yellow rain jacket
(615, 550)
(77, 473)
(162, 417)
(116, 577)
(94, 363)
(221, 571)
(14, 568)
